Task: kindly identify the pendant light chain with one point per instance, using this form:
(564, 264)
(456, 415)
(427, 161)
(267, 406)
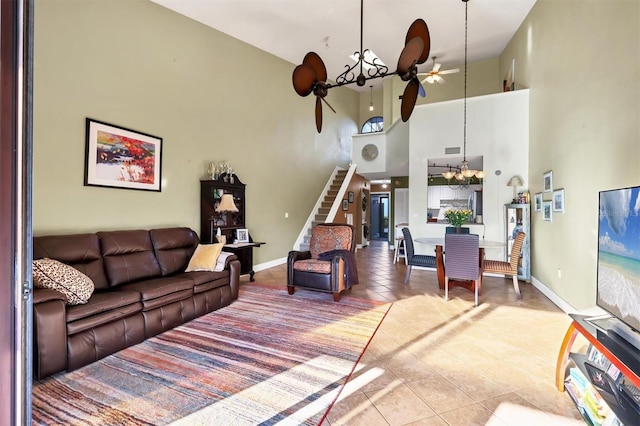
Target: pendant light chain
(466, 5)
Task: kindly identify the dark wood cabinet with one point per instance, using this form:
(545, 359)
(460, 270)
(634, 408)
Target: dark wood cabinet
(211, 192)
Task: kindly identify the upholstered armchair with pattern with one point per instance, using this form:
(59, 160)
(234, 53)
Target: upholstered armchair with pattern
(329, 265)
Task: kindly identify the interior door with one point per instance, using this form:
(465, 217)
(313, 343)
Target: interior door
(400, 207)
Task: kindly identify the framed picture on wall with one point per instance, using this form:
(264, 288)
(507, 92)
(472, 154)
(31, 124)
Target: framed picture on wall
(350, 196)
(537, 202)
(558, 200)
(121, 158)
(345, 205)
(546, 211)
(547, 182)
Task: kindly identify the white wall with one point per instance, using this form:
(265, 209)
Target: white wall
(497, 129)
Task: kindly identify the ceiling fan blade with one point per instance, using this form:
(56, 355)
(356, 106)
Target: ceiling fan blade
(440, 80)
(408, 57)
(419, 29)
(421, 90)
(318, 115)
(409, 98)
(436, 67)
(329, 105)
(304, 78)
(451, 71)
(314, 60)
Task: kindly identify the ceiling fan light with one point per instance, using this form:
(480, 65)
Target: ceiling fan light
(430, 79)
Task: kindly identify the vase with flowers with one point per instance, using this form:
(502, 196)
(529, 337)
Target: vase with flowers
(458, 217)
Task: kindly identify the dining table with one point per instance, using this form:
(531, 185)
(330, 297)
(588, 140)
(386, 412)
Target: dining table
(438, 242)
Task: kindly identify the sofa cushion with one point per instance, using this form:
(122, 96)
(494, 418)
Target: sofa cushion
(173, 248)
(102, 302)
(158, 287)
(82, 251)
(128, 256)
(203, 277)
(49, 273)
(205, 257)
(313, 265)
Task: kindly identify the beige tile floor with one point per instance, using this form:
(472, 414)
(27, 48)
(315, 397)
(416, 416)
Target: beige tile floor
(434, 362)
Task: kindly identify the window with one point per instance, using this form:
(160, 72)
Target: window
(373, 125)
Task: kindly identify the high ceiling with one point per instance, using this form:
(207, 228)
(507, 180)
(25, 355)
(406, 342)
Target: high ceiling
(291, 28)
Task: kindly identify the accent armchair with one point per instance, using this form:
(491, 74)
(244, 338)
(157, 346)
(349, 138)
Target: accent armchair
(329, 265)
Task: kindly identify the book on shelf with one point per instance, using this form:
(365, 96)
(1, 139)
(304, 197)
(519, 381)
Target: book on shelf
(587, 397)
(597, 358)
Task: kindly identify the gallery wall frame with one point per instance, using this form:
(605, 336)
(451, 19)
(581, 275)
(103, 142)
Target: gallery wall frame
(537, 202)
(345, 205)
(558, 200)
(350, 196)
(547, 181)
(547, 208)
(118, 157)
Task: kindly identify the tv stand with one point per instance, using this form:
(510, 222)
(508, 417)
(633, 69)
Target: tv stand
(626, 333)
(617, 350)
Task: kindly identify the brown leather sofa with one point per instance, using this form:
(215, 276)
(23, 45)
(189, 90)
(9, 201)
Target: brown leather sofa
(141, 290)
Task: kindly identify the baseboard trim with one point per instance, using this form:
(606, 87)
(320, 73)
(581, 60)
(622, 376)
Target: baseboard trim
(270, 264)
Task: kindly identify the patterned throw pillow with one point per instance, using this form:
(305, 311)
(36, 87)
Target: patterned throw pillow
(49, 273)
(205, 257)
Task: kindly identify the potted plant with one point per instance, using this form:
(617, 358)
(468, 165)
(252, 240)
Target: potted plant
(458, 217)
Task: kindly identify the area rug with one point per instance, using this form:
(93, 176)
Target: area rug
(268, 358)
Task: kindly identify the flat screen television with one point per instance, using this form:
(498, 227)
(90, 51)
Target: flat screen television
(618, 282)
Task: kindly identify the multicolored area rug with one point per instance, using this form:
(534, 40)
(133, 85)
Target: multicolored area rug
(267, 358)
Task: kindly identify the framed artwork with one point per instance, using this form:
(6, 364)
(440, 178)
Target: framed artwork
(547, 182)
(537, 202)
(558, 200)
(121, 158)
(546, 211)
(242, 235)
(599, 378)
(351, 196)
(345, 205)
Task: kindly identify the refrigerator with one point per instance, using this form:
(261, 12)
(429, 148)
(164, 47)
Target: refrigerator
(475, 205)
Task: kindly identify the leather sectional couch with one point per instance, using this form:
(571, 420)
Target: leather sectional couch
(141, 290)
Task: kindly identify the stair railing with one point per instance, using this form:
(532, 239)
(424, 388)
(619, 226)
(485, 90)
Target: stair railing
(337, 203)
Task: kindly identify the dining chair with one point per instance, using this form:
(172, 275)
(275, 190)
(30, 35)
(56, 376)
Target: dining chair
(413, 259)
(462, 260)
(509, 268)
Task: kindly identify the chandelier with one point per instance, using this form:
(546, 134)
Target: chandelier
(463, 174)
(311, 76)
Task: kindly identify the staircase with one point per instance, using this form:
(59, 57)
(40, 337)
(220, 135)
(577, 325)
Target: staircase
(327, 206)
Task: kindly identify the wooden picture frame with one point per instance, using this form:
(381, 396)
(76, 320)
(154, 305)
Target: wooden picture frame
(537, 202)
(242, 235)
(547, 181)
(345, 205)
(547, 208)
(558, 200)
(350, 196)
(118, 157)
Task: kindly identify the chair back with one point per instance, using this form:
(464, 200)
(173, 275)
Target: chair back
(331, 236)
(408, 244)
(462, 258)
(515, 251)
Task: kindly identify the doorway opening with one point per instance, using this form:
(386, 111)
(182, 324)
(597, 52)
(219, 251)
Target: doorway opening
(379, 216)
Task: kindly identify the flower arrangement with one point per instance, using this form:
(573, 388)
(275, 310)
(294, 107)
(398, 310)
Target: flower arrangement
(458, 217)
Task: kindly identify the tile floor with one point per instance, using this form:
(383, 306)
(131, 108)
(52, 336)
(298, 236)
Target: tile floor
(434, 362)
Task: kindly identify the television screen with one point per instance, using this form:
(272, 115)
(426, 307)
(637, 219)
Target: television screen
(618, 281)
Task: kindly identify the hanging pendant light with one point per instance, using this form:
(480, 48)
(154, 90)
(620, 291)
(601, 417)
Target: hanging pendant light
(371, 103)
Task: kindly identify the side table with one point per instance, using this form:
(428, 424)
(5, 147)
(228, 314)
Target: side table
(244, 252)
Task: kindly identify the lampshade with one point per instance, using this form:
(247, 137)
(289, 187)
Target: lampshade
(515, 181)
(227, 204)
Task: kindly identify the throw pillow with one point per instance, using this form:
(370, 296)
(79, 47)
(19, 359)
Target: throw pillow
(49, 273)
(205, 257)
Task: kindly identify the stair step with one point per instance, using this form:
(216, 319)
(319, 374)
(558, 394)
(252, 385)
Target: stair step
(321, 217)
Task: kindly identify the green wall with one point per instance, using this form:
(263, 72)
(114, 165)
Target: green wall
(581, 60)
(210, 97)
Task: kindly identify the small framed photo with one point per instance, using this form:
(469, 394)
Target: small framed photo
(537, 202)
(546, 211)
(351, 196)
(547, 182)
(345, 205)
(558, 200)
(121, 158)
(599, 378)
(242, 235)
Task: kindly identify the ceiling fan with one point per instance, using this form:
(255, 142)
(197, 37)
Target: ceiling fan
(435, 75)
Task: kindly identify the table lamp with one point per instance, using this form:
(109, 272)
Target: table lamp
(226, 205)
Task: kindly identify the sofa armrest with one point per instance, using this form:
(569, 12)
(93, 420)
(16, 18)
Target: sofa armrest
(49, 333)
(234, 276)
(291, 258)
(228, 260)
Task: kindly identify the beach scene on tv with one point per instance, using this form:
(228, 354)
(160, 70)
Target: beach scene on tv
(619, 254)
